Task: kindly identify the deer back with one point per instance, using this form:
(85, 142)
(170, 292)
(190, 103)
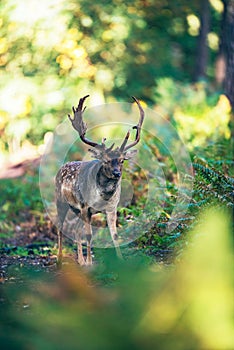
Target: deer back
(78, 184)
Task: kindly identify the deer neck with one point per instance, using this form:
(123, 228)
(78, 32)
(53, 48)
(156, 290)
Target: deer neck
(106, 185)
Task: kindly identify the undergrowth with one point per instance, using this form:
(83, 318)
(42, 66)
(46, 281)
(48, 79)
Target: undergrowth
(19, 195)
(213, 187)
(20, 202)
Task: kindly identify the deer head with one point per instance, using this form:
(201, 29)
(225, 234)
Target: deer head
(111, 159)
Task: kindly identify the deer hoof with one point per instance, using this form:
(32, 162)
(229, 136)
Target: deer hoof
(81, 262)
(89, 262)
(59, 262)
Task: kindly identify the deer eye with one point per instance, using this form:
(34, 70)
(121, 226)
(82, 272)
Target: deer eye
(121, 161)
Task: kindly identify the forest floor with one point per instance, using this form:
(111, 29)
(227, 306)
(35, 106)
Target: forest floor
(29, 246)
(32, 246)
(30, 242)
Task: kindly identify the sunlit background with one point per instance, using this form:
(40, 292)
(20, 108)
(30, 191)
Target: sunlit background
(53, 52)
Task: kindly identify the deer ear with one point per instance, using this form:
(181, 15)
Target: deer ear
(130, 154)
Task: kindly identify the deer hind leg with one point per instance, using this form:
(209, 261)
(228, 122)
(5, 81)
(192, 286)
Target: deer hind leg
(62, 209)
(79, 230)
(111, 221)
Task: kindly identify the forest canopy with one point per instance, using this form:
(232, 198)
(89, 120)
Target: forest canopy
(52, 52)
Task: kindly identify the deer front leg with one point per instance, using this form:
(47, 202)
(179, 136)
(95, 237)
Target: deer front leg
(88, 233)
(86, 218)
(60, 248)
(80, 256)
(111, 221)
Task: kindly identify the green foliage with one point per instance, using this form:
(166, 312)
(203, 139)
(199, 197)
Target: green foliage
(199, 115)
(212, 186)
(109, 49)
(214, 176)
(18, 195)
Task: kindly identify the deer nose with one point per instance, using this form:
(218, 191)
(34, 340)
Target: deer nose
(116, 173)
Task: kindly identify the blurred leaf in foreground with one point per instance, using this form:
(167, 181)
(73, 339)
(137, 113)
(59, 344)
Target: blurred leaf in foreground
(197, 301)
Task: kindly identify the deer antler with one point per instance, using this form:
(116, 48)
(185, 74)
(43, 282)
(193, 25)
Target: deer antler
(137, 127)
(78, 123)
(80, 126)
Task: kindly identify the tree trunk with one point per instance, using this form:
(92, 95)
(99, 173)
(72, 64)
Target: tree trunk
(220, 65)
(229, 53)
(202, 49)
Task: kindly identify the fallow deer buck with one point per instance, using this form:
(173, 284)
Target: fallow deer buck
(89, 187)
